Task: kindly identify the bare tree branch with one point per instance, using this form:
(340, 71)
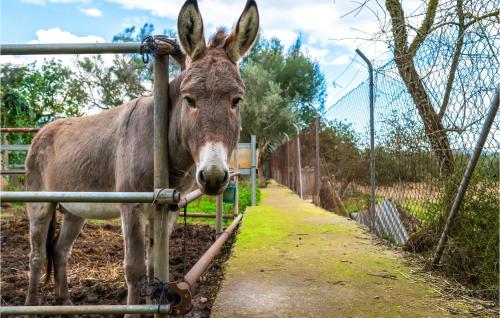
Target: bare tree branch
(425, 27)
(456, 58)
(494, 13)
(398, 26)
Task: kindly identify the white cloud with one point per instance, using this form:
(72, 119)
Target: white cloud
(340, 60)
(93, 12)
(44, 2)
(54, 35)
(287, 37)
(320, 21)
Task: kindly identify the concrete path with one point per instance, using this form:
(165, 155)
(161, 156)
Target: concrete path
(292, 259)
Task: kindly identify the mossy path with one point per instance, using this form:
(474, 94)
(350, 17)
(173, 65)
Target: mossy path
(292, 259)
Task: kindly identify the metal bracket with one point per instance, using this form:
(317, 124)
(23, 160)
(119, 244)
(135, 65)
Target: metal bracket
(180, 292)
(166, 196)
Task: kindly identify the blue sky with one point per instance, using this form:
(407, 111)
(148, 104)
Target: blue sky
(327, 36)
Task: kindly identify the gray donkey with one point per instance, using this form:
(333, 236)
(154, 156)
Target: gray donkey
(113, 150)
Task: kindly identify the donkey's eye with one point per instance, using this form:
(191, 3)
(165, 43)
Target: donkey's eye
(190, 101)
(235, 103)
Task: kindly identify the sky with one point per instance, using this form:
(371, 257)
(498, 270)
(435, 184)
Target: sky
(329, 33)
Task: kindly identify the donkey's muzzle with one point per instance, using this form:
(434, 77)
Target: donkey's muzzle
(213, 179)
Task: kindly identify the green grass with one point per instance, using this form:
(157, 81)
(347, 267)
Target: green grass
(360, 202)
(206, 204)
(290, 249)
(415, 207)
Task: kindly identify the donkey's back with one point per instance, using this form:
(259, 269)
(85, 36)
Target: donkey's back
(91, 153)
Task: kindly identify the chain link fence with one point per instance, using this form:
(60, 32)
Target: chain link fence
(411, 173)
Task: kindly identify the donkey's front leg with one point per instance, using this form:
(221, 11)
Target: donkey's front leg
(134, 263)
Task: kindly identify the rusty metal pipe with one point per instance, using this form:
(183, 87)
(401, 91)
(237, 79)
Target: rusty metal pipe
(184, 289)
(196, 194)
(190, 197)
(201, 266)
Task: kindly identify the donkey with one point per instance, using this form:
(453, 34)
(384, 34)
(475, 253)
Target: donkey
(113, 151)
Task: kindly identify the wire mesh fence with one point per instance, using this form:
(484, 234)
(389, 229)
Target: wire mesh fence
(421, 153)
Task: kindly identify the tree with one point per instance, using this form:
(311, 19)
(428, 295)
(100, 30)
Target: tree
(342, 156)
(283, 89)
(405, 54)
(126, 78)
(265, 112)
(31, 96)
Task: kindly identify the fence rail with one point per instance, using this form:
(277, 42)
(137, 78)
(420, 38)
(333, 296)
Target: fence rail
(85, 48)
(163, 198)
(84, 310)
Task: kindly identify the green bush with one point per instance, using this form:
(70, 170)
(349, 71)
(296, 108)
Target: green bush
(206, 204)
(471, 256)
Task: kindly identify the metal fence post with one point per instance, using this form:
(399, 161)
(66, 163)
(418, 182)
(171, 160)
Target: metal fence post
(373, 181)
(317, 183)
(300, 163)
(161, 172)
(236, 179)
(218, 215)
(287, 160)
(253, 142)
(467, 176)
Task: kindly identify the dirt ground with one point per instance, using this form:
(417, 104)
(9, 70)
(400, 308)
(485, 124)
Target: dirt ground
(95, 270)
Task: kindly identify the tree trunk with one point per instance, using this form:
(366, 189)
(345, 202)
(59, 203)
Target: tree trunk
(343, 187)
(433, 126)
(262, 177)
(403, 56)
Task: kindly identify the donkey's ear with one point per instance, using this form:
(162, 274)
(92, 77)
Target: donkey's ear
(244, 33)
(190, 29)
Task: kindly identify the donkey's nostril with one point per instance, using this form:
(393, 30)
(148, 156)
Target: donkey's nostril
(201, 177)
(212, 179)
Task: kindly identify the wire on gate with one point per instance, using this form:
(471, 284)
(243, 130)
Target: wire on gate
(149, 46)
(160, 289)
(185, 242)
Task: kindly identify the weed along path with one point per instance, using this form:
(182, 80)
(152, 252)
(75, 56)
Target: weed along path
(292, 259)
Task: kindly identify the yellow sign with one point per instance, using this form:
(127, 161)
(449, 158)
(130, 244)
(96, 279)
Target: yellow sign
(244, 158)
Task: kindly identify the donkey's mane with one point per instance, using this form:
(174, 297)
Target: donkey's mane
(218, 39)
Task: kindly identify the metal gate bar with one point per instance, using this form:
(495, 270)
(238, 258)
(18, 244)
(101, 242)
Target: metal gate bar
(167, 196)
(83, 309)
(83, 48)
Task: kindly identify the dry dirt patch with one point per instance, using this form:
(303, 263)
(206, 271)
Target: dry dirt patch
(95, 270)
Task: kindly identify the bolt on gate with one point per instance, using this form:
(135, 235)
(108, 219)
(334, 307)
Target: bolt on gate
(166, 200)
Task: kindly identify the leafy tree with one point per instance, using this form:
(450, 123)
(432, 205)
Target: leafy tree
(126, 78)
(32, 96)
(283, 89)
(342, 156)
(468, 19)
